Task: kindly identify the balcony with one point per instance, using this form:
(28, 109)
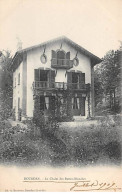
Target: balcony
(58, 85)
(77, 86)
(41, 85)
(61, 63)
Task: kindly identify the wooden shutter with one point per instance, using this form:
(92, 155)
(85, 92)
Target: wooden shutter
(54, 54)
(52, 78)
(68, 55)
(69, 79)
(36, 74)
(81, 80)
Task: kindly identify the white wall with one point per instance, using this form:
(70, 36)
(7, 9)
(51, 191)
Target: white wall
(17, 91)
(33, 62)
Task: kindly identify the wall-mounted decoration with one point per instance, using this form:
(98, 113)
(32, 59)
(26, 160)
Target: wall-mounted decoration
(76, 60)
(43, 57)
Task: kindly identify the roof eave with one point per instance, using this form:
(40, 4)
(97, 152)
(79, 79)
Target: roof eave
(94, 59)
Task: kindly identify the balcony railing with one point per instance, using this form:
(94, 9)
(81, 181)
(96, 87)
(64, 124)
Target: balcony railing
(61, 63)
(77, 86)
(40, 84)
(58, 85)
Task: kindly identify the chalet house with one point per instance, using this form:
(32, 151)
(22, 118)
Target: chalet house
(56, 69)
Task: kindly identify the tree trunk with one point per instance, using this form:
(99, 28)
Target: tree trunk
(111, 99)
(114, 98)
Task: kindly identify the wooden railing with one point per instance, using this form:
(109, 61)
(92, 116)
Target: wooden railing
(77, 86)
(61, 63)
(40, 84)
(57, 85)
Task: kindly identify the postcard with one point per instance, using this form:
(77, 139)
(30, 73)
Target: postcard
(60, 96)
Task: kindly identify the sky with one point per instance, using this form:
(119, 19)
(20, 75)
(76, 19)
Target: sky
(96, 25)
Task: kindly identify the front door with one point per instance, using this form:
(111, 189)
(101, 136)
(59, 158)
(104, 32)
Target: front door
(76, 106)
(82, 106)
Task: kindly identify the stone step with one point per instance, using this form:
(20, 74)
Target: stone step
(79, 118)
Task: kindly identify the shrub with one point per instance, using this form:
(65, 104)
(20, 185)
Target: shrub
(46, 125)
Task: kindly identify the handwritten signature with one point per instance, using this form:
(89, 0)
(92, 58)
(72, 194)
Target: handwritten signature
(84, 185)
(93, 186)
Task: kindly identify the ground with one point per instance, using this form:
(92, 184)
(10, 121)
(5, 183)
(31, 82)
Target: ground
(78, 143)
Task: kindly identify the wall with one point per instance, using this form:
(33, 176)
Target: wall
(17, 91)
(33, 62)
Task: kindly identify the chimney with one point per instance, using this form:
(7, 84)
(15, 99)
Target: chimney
(19, 44)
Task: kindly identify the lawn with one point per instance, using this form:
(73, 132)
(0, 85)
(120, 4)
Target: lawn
(76, 144)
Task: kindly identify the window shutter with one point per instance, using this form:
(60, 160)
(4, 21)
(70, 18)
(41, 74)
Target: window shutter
(69, 79)
(68, 55)
(54, 54)
(36, 75)
(52, 78)
(81, 80)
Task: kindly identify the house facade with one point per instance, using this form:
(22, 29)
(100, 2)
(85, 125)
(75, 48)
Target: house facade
(55, 70)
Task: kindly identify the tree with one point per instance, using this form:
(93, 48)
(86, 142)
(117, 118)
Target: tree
(98, 86)
(5, 85)
(108, 80)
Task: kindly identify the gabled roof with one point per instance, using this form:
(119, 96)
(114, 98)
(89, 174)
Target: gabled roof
(94, 59)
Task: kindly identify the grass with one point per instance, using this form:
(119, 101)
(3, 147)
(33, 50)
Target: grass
(91, 145)
(94, 144)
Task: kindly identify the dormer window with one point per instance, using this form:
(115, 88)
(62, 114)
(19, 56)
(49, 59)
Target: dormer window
(61, 55)
(61, 59)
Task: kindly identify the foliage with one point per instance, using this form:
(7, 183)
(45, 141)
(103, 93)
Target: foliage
(5, 85)
(99, 142)
(107, 82)
(26, 146)
(46, 125)
(22, 145)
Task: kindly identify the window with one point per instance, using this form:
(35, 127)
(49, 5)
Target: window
(60, 57)
(19, 79)
(19, 110)
(43, 75)
(44, 103)
(18, 103)
(75, 103)
(15, 82)
(75, 80)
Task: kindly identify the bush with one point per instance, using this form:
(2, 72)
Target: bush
(90, 145)
(23, 145)
(46, 125)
